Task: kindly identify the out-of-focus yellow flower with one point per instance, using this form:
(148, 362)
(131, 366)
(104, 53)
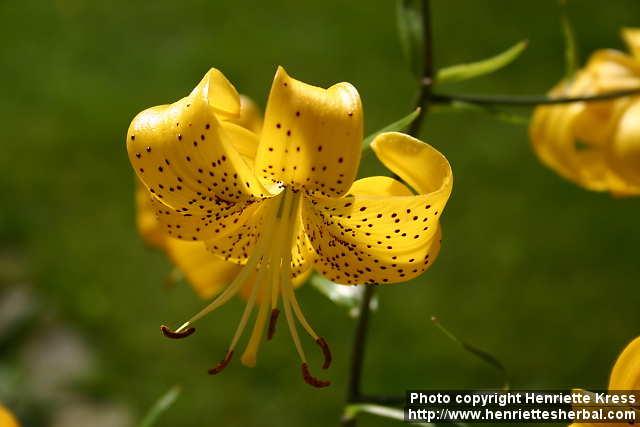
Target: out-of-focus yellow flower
(284, 201)
(7, 419)
(625, 375)
(595, 144)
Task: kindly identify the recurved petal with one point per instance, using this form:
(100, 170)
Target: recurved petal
(206, 273)
(418, 164)
(626, 371)
(183, 153)
(552, 136)
(625, 148)
(148, 226)
(380, 232)
(311, 138)
(7, 419)
(220, 94)
(631, 37)
(613, 70)
(250, 115)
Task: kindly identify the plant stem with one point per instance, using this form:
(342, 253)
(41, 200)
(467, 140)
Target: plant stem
(426, 83)
(354, 394)
(529, 100)
(359, 345)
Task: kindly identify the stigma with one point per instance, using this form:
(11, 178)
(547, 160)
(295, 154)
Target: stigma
(268, 272)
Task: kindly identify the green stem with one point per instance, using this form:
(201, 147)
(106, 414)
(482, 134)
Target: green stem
(354, 394)
(426, 83)
(529, 100)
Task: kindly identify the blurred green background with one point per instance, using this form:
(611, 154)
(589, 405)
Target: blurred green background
(537, 271)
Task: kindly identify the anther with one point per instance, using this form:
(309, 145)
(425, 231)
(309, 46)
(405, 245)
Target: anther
(222, 364)
(311, 380)
(326, 352)
(176, 335)
(273, 320)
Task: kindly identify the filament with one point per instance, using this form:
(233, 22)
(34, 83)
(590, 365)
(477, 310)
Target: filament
(241, 278)
(245, 314)
(248, 358)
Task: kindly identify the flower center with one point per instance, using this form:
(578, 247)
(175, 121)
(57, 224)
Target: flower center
(269, 267)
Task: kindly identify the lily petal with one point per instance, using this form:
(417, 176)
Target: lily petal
(7, 419)
(631, 37)
(613, 70)
(250, 115)
(183, 152)
(380, 232)
(625, 149)
(146, 222)
(216, 219)
(220, 94)
(311, 139)
(626, 371)
(417, 163)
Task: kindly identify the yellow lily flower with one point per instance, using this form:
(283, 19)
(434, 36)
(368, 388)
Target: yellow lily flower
(625, 375)
(595, 144)
(7, 419)
(286, 201)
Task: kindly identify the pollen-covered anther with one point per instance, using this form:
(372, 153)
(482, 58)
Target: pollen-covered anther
(222, 364)
(311, 380)
(273, 321)
(176, 334)
(326, 352)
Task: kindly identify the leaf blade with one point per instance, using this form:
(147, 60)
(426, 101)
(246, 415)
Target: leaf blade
(470, 70)
(397, 126)
(483, 355)
(352, 411)
(570, 43)
(160, 406)
(410, 33)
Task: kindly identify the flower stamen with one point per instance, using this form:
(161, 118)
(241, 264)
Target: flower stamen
(326, 352)
(290, 302)
(273, 320)
(311, 380)
(231, 290)
(222, 364)
(175, 334)
(250, 353)
(246, 313)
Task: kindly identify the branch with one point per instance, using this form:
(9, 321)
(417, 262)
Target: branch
(529, 100)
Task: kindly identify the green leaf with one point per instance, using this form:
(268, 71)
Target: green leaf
(460, 72)
(343, 295)
(496, 113)
(570, 44)
(396, 126)
(483, 355)
(352, 411)
(162, 404)
(410, 32)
